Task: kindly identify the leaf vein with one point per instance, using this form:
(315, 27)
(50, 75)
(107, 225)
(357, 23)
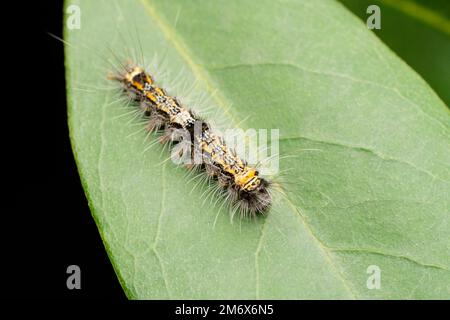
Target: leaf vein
(339, 75)
(158, 229)
(370, 251)
(368, 150)
(258, 250)
(321, 247)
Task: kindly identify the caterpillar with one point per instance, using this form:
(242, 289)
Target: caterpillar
(242, 184)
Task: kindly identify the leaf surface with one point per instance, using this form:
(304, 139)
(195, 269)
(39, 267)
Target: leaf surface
(368, 182)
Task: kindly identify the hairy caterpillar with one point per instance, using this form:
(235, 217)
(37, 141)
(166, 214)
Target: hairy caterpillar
(246, 190)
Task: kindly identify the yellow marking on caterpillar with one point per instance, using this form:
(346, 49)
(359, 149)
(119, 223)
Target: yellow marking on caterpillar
(151, 96)
(129, 76)
(244, 176)
(160, 91)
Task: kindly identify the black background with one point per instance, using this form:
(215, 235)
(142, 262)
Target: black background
(49, 224)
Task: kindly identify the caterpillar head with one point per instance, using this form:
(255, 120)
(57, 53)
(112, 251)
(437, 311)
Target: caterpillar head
(255, 201)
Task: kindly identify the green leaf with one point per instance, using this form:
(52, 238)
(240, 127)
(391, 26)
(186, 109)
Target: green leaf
(419, 32)
(369, 182)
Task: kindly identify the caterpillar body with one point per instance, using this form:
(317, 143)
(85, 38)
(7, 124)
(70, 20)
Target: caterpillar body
(242, 184)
